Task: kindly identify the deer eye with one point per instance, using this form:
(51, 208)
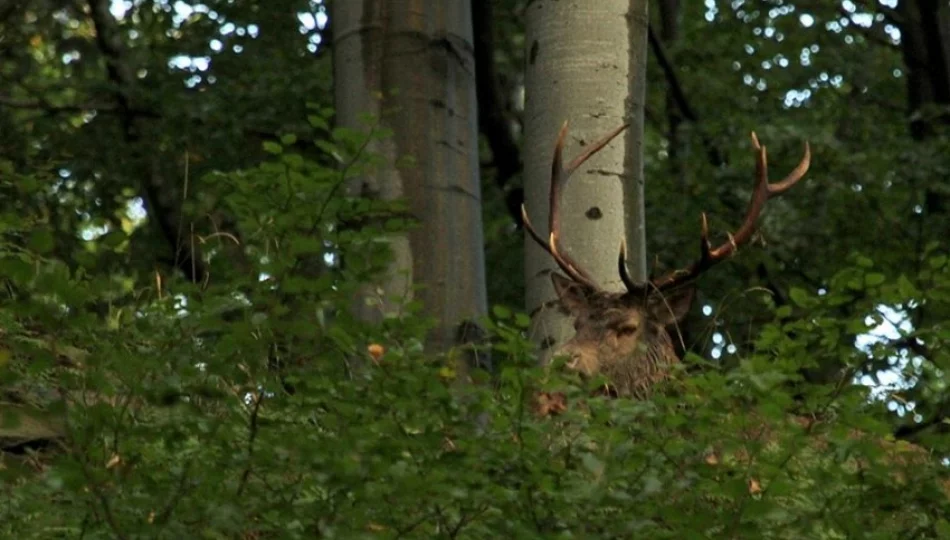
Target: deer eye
(626, 330)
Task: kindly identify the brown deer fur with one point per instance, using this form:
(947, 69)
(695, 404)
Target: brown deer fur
(622, 336)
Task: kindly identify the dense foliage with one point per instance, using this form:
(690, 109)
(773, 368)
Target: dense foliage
(196, 373)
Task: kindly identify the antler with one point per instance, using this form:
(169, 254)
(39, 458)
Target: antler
(762, 192)
(709, 256)
(559, 177)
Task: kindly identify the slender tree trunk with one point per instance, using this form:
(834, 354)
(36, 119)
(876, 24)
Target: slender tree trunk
(586, 63)
(410, 65)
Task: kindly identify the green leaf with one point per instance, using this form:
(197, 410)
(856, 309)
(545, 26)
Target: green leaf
(501, 312)
(907, 289)
(864, 262)
(592, 464)
(874, 279)
(293, 161)
(288, 139)
(112, 239)
(318, 122)
(522, 320)
(328, 147)
(272, 148)
(800, 297)
(651, 483)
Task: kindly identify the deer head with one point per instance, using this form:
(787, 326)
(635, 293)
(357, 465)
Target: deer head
(623, 335)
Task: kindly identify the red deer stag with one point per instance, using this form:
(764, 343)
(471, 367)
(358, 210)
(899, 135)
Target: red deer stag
(623, 335)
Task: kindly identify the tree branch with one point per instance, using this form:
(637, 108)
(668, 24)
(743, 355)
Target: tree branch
(679, 96)
(676, 89)
(42, 105)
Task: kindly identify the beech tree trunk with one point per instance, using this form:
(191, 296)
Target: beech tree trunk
(586, 63)
(410, 64)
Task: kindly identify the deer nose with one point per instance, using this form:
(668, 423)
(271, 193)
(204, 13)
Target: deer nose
(574, 359)
(576, 365)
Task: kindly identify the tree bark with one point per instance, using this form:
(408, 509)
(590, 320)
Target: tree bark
(410, 64)
(586, 63)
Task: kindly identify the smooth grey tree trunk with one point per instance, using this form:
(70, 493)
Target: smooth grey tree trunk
(586, 63)
(410, 64)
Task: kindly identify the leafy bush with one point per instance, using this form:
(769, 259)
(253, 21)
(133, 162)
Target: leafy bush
(256, 407)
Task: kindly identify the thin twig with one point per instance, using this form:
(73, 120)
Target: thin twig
(253, 430)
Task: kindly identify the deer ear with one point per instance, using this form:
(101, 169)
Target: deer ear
(672, 307)
(574, 296)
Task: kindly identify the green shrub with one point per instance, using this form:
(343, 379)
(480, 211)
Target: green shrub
(258, 408)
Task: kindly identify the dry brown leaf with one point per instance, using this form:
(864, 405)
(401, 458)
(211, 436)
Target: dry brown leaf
(548, 404)
(754, 486)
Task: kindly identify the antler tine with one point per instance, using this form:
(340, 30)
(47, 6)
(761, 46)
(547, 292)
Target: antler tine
(625, 276)
(565, 265)
(553, 210)
(762, 192)
(594, 148)
(559, 177)
(554, 190)
(793, 177)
